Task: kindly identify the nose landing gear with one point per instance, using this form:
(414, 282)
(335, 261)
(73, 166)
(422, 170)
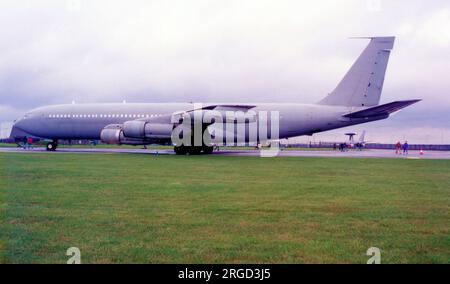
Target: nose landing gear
(51, 146)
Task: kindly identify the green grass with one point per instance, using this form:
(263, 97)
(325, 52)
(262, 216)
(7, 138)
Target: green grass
(200, 209)
(8, 145)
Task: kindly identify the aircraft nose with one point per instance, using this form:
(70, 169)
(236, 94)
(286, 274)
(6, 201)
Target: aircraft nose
(23, 124)
(19, 124)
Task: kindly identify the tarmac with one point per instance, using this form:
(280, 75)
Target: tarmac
(365, 153)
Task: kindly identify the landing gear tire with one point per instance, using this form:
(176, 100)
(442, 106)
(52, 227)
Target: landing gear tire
(51, 146)
(208, 149)
(195, 150)
(180, 150)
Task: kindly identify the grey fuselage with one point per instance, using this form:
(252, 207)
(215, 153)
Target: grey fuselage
(86, 121)
(355, 100)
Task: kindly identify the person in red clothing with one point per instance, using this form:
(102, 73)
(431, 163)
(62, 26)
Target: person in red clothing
(30, 142)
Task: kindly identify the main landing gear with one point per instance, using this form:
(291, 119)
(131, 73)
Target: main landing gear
(193, 150)
(51, 146)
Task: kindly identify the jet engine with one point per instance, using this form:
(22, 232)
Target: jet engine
(148, 130)
(113, 134)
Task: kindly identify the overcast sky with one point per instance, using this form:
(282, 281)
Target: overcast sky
(54, 52)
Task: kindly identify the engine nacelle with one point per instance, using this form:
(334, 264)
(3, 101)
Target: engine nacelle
(149, 130)
(134, 128)
(158, 130)
(113, 134)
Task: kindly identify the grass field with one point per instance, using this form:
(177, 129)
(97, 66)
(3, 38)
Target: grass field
(175, 209)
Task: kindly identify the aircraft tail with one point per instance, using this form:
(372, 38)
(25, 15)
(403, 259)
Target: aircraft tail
(361, 138)
(363, 83)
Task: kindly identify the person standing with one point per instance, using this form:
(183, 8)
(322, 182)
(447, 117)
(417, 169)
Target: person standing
(30, 142)
(25, 143)
(398, 147)
(405, 147)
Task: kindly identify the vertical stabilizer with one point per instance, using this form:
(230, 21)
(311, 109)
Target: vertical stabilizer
(363, 83)
(361, 138)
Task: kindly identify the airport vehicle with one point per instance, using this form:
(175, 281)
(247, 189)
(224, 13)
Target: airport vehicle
(355, 100)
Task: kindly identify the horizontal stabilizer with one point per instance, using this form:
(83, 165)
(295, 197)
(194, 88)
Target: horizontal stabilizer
(381, 110)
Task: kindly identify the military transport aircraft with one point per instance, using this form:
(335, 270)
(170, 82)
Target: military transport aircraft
(194, 128)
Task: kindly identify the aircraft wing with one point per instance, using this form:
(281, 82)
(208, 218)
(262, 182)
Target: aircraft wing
(222, 108)
(225, 107)
(381, 110)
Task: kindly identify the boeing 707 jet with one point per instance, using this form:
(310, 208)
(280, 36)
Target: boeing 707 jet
(194, 128)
